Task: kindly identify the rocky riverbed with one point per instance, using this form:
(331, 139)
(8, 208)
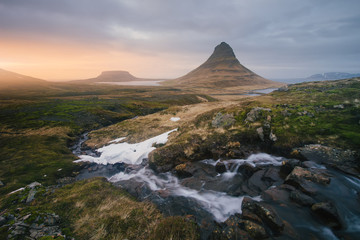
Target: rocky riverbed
(260, 196)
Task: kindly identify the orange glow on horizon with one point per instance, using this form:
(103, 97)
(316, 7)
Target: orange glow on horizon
(61, 62)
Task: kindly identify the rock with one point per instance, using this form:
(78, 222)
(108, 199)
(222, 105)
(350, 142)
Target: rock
(288, 165)
(220, 167)
(339, 106)
(229, 233)
(260, 132)
(327, 213)
(267, 215)
(276, 194)
(184, 170)
(256, 113)
(272, 137)
(33, 185)
(223, 120)
(31, 195)
(299, 174)
(256, 183)
(1, 184)
(248, 215)
(311, 164)
(255, 230)
(2, 220)
(272, 175)
(301, 198)
(247, 170)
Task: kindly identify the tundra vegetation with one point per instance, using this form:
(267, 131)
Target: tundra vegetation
(37, 128)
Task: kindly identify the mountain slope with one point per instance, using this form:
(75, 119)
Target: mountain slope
(221, 70)
(11, 79)
(114, 76)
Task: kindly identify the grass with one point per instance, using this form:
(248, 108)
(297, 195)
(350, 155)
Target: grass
(95, 209)
(37, 126)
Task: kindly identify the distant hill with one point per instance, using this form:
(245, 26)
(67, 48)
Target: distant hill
(332, 76)
(115, 76)
(221, 70)
(10, 79)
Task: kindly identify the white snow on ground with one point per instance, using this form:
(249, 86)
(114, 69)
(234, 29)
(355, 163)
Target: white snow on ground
(126, 152)
(174, 119)
(117, 140)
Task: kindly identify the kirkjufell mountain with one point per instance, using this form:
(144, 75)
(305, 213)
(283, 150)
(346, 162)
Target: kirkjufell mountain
(221, 70)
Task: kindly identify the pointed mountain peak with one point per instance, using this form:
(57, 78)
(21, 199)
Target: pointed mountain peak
(222, 69)
(223, 50)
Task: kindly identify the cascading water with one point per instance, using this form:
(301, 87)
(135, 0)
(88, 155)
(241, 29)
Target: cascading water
(210, 193)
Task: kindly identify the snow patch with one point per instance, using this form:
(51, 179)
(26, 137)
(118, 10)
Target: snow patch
(126, 152)
(117, 140)
(174, 119)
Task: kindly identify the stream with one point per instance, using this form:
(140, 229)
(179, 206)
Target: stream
(213, 190)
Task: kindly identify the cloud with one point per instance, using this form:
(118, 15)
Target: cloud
(298, 36)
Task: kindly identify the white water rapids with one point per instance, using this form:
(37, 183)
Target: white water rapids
(219, 204)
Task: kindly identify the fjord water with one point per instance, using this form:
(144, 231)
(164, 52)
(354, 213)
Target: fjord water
(212, 197)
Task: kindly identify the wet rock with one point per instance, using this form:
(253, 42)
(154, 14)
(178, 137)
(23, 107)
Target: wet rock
(247, 170)
(300, 174)
(272, 175)
(268, 216)
(184, 170)
(138, 189)
(248, 215)
(327, 213)
(276, 194)
(220, 167)
(256, 113)
(255, 230)
(223, 120)
(193, 183)
(288, 165)
(310, 164)
(344, 160)
(256, 183)
(301, 198)
(230, 233)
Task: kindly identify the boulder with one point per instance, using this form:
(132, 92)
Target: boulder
(220, 167)
(276, 194)
(223, 120)
(247, 170)
(256, 183)
(260, 132)
(300, 174)
(288, 165)
(255, 230)
(268, 215)
(301, 198)
(327, 212)
(256, 113)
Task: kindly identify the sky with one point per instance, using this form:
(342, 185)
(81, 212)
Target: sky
(68, 39)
